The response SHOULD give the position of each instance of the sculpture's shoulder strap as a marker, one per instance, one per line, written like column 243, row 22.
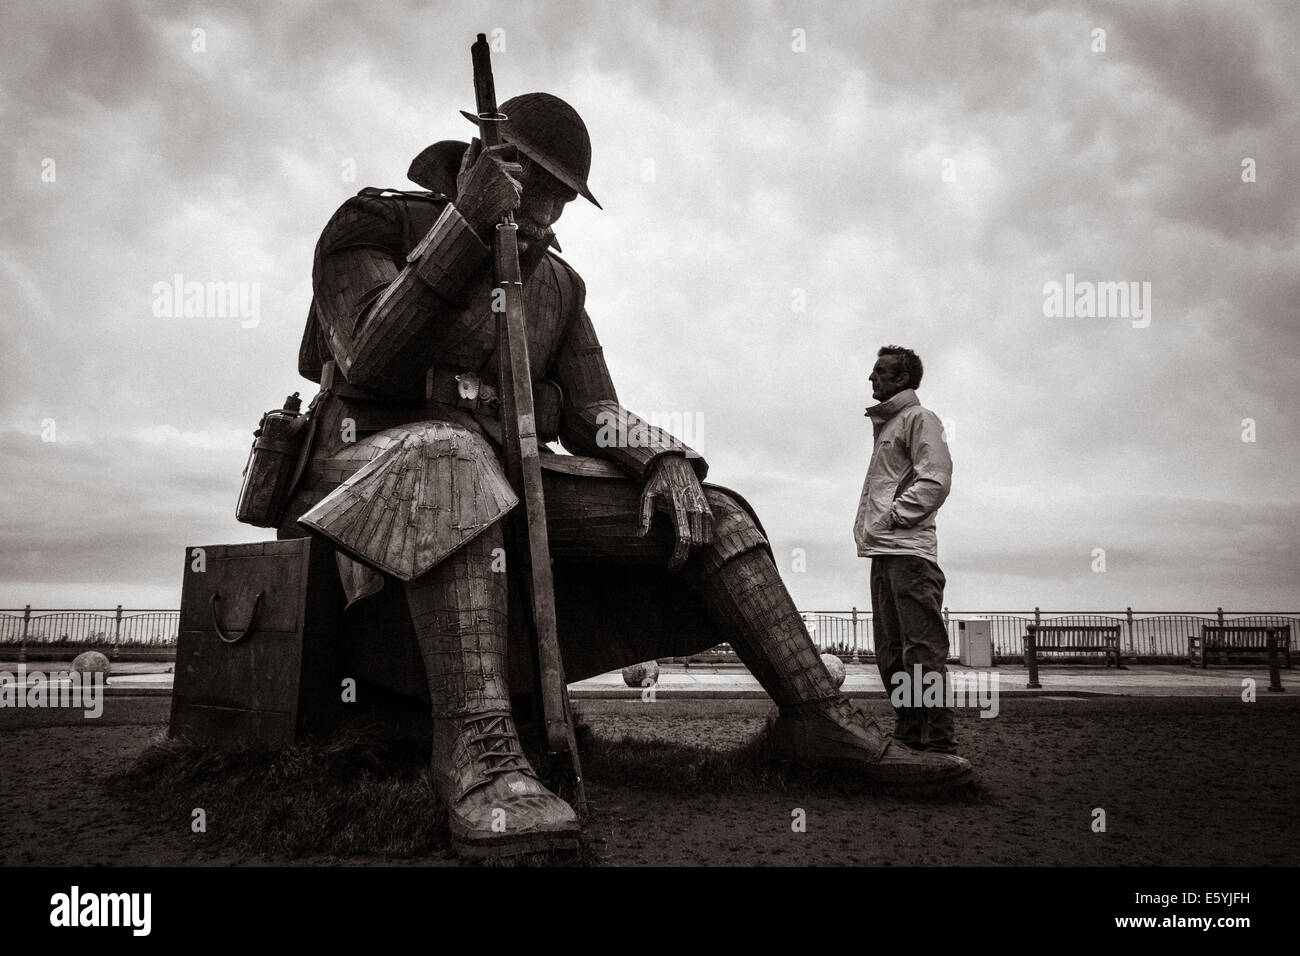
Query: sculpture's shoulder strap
column 400, row 216
column 573, row 291
column 413, row 194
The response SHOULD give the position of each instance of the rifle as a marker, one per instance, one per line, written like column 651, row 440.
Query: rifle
column 519, row 428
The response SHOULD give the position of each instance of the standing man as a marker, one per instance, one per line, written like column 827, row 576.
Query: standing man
column 908, row 479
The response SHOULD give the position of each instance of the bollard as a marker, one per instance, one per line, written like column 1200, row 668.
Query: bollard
column 1031, row 657
column 27, row 620
column 1274, row 672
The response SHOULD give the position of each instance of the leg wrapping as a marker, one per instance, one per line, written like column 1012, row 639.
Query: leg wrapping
column 744, row 595
column 459, row 613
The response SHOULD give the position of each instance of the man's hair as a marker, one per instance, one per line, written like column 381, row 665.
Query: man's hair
column 911, row 361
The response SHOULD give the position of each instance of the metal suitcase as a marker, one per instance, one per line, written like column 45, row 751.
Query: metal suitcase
column 257, row 656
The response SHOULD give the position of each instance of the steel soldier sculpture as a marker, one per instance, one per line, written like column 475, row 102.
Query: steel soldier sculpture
column 404, row 477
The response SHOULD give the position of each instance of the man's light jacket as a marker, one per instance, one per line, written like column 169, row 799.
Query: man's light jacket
column 909, row 477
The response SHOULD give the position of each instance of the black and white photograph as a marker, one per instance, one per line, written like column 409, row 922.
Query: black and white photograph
column 579, row 435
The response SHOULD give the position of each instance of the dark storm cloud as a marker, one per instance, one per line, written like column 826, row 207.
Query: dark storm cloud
column 58, row 55
column 1210, row 58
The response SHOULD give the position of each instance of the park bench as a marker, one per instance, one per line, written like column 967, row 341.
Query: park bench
column 1071, row 638
column 1226, row 639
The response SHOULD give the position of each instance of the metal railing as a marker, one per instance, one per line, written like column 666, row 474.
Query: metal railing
column 1156, row 634
column 36, row 627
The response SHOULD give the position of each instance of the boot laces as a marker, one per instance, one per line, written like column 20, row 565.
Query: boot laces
column 493, row 745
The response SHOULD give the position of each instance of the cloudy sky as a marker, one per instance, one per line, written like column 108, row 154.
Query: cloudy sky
column 786, row 188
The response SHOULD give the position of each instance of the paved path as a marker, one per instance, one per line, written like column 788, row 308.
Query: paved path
column 862, row 681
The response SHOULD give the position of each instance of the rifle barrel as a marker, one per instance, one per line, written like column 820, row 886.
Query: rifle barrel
column 485, row 92
column 514, row 379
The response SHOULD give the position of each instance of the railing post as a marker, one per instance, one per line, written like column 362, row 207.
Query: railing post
column 1132, row 644
column 1031, row 658
column 854, row 630
column 1220, row 617
column 1274, row 675
column 22, row 647
column 117, row 633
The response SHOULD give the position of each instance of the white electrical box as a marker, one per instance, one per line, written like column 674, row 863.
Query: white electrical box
column 975, row 643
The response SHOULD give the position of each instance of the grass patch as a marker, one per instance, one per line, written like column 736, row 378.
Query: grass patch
column 360, row 793
column 355, row 794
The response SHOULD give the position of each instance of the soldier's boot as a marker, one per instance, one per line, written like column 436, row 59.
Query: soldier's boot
column 816, row 725
column 496, row 805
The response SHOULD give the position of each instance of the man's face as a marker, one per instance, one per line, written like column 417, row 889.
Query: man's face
column 542, row 204
column 888, row 377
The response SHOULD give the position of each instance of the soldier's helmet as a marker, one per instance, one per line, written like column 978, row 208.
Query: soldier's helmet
column 551, row 133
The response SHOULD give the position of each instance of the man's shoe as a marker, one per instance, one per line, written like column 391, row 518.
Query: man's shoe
column 937, row 747
column 496, row 806
column 930, row 746
column 833, row 733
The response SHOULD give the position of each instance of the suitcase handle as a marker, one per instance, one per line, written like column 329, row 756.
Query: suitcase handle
column 257, row 601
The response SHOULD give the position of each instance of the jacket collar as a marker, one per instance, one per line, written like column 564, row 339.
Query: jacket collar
column 879, row 414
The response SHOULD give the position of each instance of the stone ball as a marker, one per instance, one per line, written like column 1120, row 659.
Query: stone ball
column 836, row 667
column 92, row 662
column 635, row 676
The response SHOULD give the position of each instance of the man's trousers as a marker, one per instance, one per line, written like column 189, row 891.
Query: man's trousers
column 907, row 617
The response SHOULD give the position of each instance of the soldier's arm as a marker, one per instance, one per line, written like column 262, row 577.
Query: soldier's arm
column 378, row 318
column 374, row 314
column 594, row 423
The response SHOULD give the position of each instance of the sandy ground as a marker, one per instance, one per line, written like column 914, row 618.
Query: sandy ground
column 1208, row 781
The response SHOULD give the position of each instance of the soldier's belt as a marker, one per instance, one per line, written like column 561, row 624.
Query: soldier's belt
column 463, row 389
column 459, row 388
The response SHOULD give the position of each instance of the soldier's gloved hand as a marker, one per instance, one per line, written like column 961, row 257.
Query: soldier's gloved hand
column 488, row 186
column 673, row 488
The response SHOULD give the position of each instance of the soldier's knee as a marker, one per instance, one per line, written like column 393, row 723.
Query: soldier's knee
column 735, row 531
